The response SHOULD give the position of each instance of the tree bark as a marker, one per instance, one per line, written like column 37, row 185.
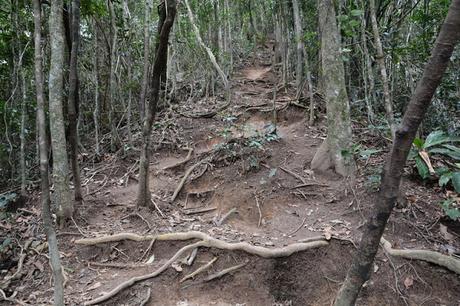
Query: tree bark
column 145, row 75
column 45, row 190
column 360, row 269
column 72, row 105
column 208, row 51
column 335, row 152
column 300, row 44
column 168, row 8
column 58, row 139
column 383, row 71
column 96, row 110
column 115, row 139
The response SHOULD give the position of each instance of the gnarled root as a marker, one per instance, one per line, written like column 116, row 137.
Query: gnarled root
column 439, row 259
column 205, row 241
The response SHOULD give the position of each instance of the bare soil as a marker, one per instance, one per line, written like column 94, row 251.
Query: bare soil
column 249, row 166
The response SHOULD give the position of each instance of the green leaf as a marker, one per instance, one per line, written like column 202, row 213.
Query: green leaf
column 356, row 13
column 456, row 181
column 419, row 143
column 439, row 137
column 445, row 152
column 444, row 179
column 422, row 168
column 451, row 211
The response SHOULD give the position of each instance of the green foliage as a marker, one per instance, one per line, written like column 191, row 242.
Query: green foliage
column 451, row 209
column 97, row 8
column 437, row 143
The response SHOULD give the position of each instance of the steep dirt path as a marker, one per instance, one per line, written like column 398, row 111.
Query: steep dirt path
column 258, row 167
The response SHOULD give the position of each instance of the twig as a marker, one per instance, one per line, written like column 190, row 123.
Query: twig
column 258, row 208
column 294, row 175
column 199, row 270
column 189, row 156
column 310, row 184
column 228, row 214
column 200, row 210
column 299, row 227
column 157, row 208
column 183, row 180
column 147, row 250
column 146, row 299
column 225, row 271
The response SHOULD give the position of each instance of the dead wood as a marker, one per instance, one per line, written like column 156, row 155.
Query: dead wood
column 437, row 258
column 199, row 270
column 189, row 157
column 192, row 211
column 184, row 179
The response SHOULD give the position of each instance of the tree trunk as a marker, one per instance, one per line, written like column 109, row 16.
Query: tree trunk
column 335, row 151
column 360, row 269
column 300, row 44
column 159, row 66
column 45, row 190
column 58, row 140
column 367, row 72
column 22, row 135
column 208, row 51
column 96, row 110
column 115, row 139
column 73, row 99
column 145, row 75
column 383, row 71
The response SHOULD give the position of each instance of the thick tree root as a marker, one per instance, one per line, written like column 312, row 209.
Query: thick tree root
column 205, row 241
column 439, row 259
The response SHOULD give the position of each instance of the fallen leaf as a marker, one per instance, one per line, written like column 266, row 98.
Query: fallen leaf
column 408, row 282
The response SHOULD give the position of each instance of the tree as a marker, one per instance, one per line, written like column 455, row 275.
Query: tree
column 73, row 98
column 167, row 9
column 359, row 271
column 57, row 126
column 335, row 151
column 383, row 71
column 45, row 189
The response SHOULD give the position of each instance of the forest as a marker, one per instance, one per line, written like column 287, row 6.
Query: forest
column 229, row 152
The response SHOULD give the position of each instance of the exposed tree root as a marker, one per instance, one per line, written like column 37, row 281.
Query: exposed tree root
column 189, row 157
column 206, row 241
column 437, row 258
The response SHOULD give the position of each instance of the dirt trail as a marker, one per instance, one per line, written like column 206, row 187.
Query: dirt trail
column 259, row 163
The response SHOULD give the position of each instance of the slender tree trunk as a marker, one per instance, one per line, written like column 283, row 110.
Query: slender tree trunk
column 208, row 51
column 300, row 44
column 229, row 41
column 45, row 190
column 168, row 9
column 359, row 271
column 335, row 152
column 115, row 139
column 22, row 135
column 367, row 73
column 383, row 71
column 96, row 110
column 58, row 140
column 145, row 75
column 73, row 99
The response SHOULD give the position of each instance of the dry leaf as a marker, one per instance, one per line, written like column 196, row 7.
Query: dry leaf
column 408, row 282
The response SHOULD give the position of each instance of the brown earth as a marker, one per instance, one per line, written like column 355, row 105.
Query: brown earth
column 246, row 168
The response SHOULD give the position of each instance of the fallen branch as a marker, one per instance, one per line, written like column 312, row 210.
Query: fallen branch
column 199, row 270
column 225, row 217
column 12, row 298
column 183, row 180
column 189, row 156
column 437, row 258
column 259, row 210
column 118, row 265
column 192, row 211
column 225, row 271
column 300, row 178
